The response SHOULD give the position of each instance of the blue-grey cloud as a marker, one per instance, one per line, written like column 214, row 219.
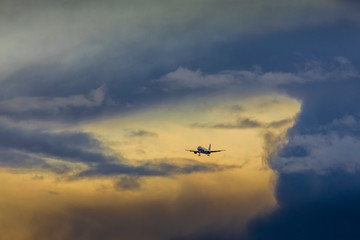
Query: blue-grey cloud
column 327, row 128
column 130, row 87
column 53, row 108
column 158, row 168
column 67, row 146
column 47, row 59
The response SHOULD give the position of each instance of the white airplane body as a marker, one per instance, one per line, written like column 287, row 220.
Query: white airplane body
column 203, row 150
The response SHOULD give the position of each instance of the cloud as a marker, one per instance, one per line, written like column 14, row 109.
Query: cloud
column 318, row 153
column 161, row 167
column 131, row 133
column 326, row 132
column 67, row 146
column 314, row 71
column 93, row 99
column 339, row 69
column 280, row 123
column 322, row 206
column 18, row 159
column 130, row 183
column 185, row 78
column 51, row 107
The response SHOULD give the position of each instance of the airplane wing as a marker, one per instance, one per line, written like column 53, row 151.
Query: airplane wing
column 217, row 151
column 194, row 151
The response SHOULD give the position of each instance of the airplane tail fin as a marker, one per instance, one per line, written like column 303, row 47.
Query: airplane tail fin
column 210, row 147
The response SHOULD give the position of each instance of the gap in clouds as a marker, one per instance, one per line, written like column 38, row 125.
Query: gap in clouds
column 319, row 150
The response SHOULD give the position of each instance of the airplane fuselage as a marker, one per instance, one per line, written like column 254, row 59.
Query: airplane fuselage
column 203, row 150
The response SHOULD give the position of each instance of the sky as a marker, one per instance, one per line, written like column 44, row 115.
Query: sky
column 100, row 100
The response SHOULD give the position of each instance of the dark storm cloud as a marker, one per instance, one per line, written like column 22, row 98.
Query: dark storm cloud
column 312, row 206
column 296, row 151
column 328, row 106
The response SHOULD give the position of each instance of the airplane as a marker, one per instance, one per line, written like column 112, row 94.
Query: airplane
column 203, row 150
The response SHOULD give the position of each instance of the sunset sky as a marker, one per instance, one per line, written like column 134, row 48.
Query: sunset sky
column 100, row 99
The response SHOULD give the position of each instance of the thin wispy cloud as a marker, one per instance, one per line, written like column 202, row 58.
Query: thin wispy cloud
column 244, row 123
